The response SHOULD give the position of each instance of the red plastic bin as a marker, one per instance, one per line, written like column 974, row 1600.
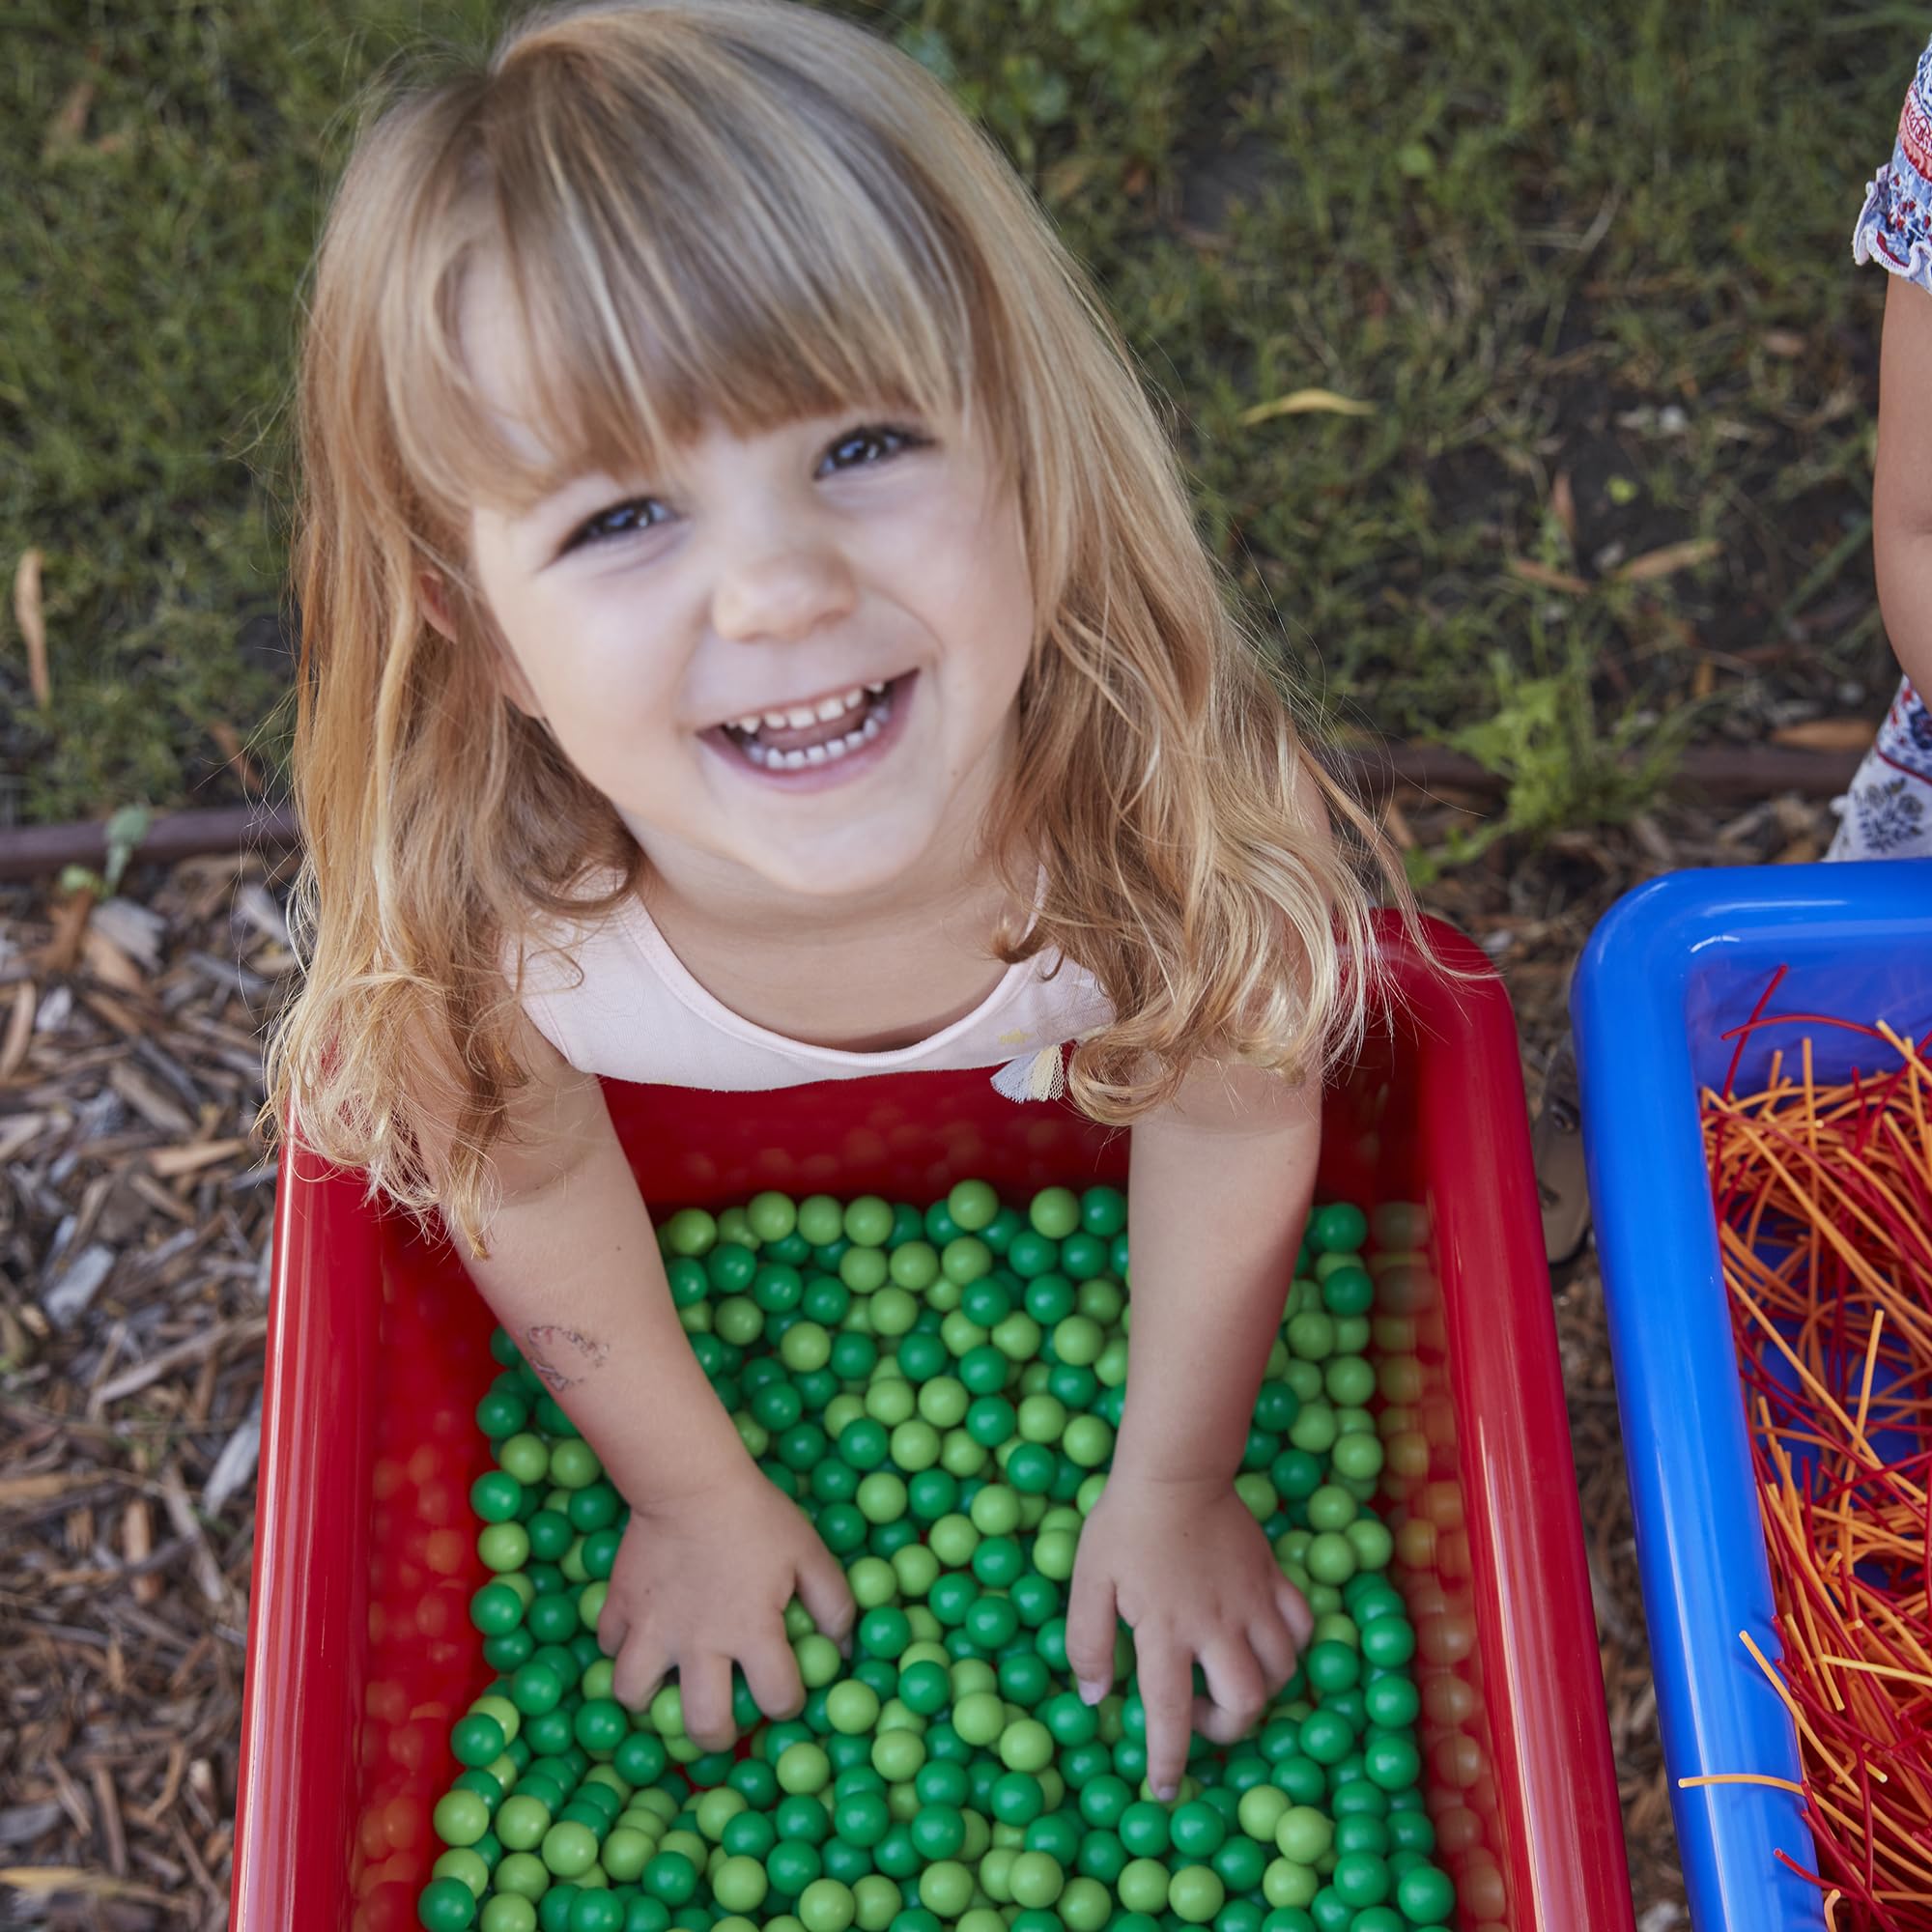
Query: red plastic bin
column 361, row 1654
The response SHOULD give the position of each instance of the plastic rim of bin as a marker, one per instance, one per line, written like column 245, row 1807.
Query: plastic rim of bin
column 1670, row 968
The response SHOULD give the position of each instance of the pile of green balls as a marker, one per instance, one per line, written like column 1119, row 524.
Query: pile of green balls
column 939, row 1392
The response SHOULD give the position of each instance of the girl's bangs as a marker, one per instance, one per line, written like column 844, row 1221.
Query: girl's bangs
column 675, row 260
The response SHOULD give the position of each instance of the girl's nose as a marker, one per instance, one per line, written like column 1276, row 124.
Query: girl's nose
column 780, row 592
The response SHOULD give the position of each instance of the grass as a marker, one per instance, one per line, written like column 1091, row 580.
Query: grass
column 1587, row 268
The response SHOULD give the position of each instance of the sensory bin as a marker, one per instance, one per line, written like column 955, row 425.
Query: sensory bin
column 1662, row 1004
column 940, row 1393
column 366, row 1667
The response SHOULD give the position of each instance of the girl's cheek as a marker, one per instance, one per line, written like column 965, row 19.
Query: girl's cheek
column 613, row 658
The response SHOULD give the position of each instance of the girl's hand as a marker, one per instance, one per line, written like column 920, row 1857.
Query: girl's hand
column 1188, row 1568
column 701, row 1583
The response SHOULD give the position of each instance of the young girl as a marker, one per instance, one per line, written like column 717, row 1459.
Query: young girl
column 754, row 633
column 1887, row 813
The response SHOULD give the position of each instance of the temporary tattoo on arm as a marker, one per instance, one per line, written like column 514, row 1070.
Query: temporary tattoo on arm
column 547, row 1343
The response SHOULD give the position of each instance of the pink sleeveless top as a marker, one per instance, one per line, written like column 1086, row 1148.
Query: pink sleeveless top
column 639, row 1015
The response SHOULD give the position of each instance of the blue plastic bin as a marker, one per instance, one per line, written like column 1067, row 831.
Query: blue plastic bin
column 1674, row 966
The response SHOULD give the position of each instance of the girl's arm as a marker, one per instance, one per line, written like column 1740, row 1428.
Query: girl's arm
column 1221, row 1183
column 713, row 1551
column 1902, row 481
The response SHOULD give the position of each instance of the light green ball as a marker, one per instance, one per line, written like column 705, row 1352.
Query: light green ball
column 826, row 1905
column 803, row 1769
column 980, row 1718
column 851, row 1708
column 1037, row 1879
column 738, row 1884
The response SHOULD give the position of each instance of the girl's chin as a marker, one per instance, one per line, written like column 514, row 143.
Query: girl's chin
column 874, row 858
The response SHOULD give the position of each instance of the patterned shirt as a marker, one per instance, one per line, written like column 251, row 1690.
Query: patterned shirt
column 1887, row 811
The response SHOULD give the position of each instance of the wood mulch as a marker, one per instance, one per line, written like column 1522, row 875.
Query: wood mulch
column 134, row 1229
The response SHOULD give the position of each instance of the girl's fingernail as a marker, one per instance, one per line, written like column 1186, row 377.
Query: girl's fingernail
column 1167, row 1793
column 1092, row 1689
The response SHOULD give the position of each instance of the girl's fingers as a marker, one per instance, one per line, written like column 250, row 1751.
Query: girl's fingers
column 1275, row 1649
column 1216, row 1725
column 823, row 1590
column 771, row 1675
column 613, row 1626
column 1237, row 1691
column 705, row 1682
column 1091, row 1617
column 1295, row 1607
column 640, row 1670
column 1166, row 1672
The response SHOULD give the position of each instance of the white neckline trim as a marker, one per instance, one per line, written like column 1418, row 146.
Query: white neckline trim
column 637, row 925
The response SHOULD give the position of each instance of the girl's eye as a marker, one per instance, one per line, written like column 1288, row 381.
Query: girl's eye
column 869, row 443
column 619, row 520
column 857, row 448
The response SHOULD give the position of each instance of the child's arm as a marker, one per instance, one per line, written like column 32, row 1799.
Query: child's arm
column 1221, row 1183
column 1902, row 481
column 713, row 1551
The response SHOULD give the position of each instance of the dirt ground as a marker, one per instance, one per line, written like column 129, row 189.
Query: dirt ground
column 134, row 1229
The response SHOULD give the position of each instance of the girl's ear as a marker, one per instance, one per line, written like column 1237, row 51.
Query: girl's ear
column 435, row 606
column 510, row 678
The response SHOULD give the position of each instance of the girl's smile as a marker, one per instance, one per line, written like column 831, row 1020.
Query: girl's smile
column 815, row 746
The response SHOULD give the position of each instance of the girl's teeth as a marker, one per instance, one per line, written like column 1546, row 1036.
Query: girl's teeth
column 802, row 715
column 817, row 755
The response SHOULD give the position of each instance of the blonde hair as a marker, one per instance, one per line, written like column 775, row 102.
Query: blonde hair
column 822, row 224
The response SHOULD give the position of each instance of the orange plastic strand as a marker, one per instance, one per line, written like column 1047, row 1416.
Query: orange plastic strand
column 1798, row 1717
column 1878, row 1669
column 1864, row 1386
column 1739, row 1778
column 1811, row 1381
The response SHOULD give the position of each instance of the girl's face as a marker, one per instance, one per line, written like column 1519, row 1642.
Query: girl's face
column 793, row 658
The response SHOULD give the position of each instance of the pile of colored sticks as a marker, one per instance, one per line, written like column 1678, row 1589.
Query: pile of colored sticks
column 1824, row 1200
